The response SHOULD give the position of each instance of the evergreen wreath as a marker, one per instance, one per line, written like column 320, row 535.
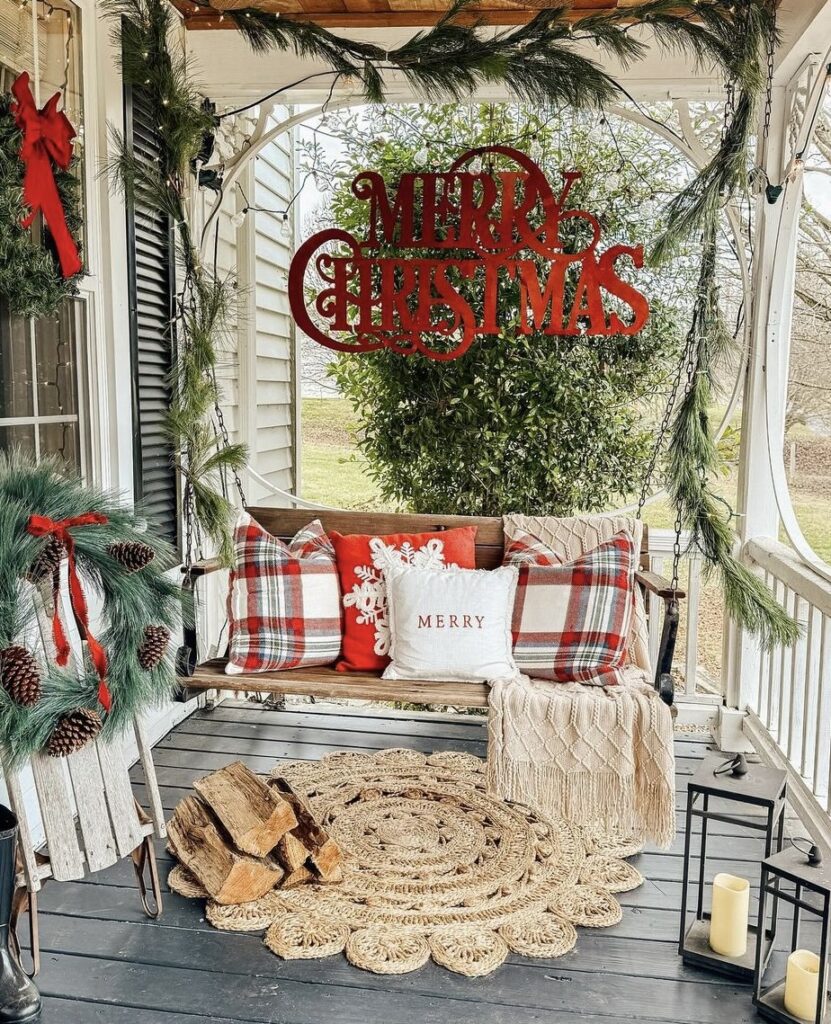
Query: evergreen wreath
column 30, row 278
column 537, row 62
column 47, row 708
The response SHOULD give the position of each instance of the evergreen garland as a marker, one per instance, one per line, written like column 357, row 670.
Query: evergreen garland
column 539, row 63
column 206, row 305
column 132, row 601
column 31, row 282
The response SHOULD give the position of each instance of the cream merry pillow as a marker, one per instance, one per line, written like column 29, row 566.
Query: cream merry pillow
column 451, row 624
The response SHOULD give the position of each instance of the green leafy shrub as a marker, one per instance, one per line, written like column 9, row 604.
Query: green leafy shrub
column 534, row 423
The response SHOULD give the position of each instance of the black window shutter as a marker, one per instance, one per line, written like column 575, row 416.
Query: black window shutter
column 151, row 268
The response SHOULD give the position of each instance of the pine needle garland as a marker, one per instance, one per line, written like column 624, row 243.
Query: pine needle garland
column 693, row 461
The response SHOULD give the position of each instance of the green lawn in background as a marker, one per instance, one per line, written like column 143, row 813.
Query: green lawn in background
column 332, row 471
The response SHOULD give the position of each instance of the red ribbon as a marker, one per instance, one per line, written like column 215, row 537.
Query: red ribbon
column 47, row 139
column 41, row 526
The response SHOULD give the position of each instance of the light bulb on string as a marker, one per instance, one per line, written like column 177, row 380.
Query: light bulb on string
column 238, row 219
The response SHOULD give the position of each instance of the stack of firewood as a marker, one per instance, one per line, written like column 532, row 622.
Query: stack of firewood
column 241, row 835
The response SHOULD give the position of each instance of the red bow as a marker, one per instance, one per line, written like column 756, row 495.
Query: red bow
column 41, row 526
column 47, row 139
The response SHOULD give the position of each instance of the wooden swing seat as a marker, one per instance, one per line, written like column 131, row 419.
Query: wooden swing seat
column 328, row 683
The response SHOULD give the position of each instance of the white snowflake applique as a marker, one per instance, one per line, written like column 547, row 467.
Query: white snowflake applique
column 369, row 596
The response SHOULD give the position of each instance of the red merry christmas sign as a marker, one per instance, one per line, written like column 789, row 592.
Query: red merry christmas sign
column 481, row 229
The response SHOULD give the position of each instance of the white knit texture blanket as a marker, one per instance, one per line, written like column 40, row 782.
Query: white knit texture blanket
column 591, row 754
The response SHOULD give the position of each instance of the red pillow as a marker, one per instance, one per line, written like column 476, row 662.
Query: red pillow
column 362, row 559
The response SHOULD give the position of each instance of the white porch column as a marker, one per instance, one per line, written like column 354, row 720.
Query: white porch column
column 756, row 503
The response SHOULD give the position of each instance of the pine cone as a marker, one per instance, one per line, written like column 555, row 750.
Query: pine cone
column 20, row 675
column 73, row 732
column 132, row 554
column 154, row 647
column 47, row 562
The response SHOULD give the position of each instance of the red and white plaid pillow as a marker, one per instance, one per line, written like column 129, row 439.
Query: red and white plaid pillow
column 283, row 600
column 571, row 621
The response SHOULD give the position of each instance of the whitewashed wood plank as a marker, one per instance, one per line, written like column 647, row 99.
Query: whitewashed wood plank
column 119, row 792
column 57, row 810
column 93, row 814
column 17, row 800
column 155, row 809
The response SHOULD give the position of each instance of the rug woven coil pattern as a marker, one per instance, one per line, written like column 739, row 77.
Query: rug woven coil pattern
column 434, row 867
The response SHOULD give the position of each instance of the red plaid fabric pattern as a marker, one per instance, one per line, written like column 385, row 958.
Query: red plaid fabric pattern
column 283, row 600
column 571, row 621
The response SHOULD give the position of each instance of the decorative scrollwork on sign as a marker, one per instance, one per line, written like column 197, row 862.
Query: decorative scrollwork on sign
column 481, row 228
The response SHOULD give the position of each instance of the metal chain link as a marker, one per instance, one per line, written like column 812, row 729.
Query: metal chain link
column 690, row 366
column 226, row 440
column 187, row 508
column 771, row 51
column 663, row 429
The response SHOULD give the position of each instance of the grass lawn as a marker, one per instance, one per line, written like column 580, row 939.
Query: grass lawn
column 334, row 473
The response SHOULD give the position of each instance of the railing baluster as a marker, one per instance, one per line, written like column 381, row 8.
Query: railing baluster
column 768, row 714
column 785, row 662
column 693, row 601
column 656, row 563
column 809, row 692
column 822, row 742
column 796, row 704
column 764, row 669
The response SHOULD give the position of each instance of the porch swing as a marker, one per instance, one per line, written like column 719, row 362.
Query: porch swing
column 656, row 594
column 695, row 208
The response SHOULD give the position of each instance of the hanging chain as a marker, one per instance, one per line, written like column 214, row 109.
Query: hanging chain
column 729, row 107
column 690, row 366
column 187, row 508
column 662, row 433
column 771, row 51
column 226, row 441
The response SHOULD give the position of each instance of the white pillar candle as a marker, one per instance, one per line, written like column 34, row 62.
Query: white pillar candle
column 802, row 984
column 728, row 920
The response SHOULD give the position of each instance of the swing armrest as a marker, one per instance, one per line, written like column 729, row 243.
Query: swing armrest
column 657, row 584
column 203, row 568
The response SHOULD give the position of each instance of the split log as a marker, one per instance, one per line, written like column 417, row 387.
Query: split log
column 300, row 876
column 323, row 852
column 228, row 877
column 291, row 853
column 255, row 816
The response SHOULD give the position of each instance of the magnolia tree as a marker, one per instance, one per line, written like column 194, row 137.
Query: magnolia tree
column 533, row 422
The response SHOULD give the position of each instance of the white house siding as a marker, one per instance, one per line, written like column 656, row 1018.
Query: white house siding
column 275, row 350
column 257, row 370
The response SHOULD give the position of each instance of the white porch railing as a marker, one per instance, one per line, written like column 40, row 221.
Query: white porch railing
column 789, row 705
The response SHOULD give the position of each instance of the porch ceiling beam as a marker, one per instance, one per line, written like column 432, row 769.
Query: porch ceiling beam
column 334, row 14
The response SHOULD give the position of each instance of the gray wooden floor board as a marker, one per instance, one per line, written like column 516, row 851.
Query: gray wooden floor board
column 105, row 963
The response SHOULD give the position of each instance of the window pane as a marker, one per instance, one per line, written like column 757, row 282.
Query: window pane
column 23, row 437
column 61, row 439
column 56, row 368
column 15, row 366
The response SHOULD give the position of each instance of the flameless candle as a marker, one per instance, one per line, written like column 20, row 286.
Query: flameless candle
column 728, row 920
column 802, row 984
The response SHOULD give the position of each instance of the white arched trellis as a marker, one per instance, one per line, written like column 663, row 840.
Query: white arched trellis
column 687, row 144
column 780, row 309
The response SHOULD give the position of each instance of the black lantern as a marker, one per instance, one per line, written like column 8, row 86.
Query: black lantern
column 800, row 877
column 729, row 779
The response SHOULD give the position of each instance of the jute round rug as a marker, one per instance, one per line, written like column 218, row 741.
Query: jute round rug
column 434, row 867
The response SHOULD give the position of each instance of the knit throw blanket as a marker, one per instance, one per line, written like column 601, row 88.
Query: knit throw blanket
column 591, row 754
